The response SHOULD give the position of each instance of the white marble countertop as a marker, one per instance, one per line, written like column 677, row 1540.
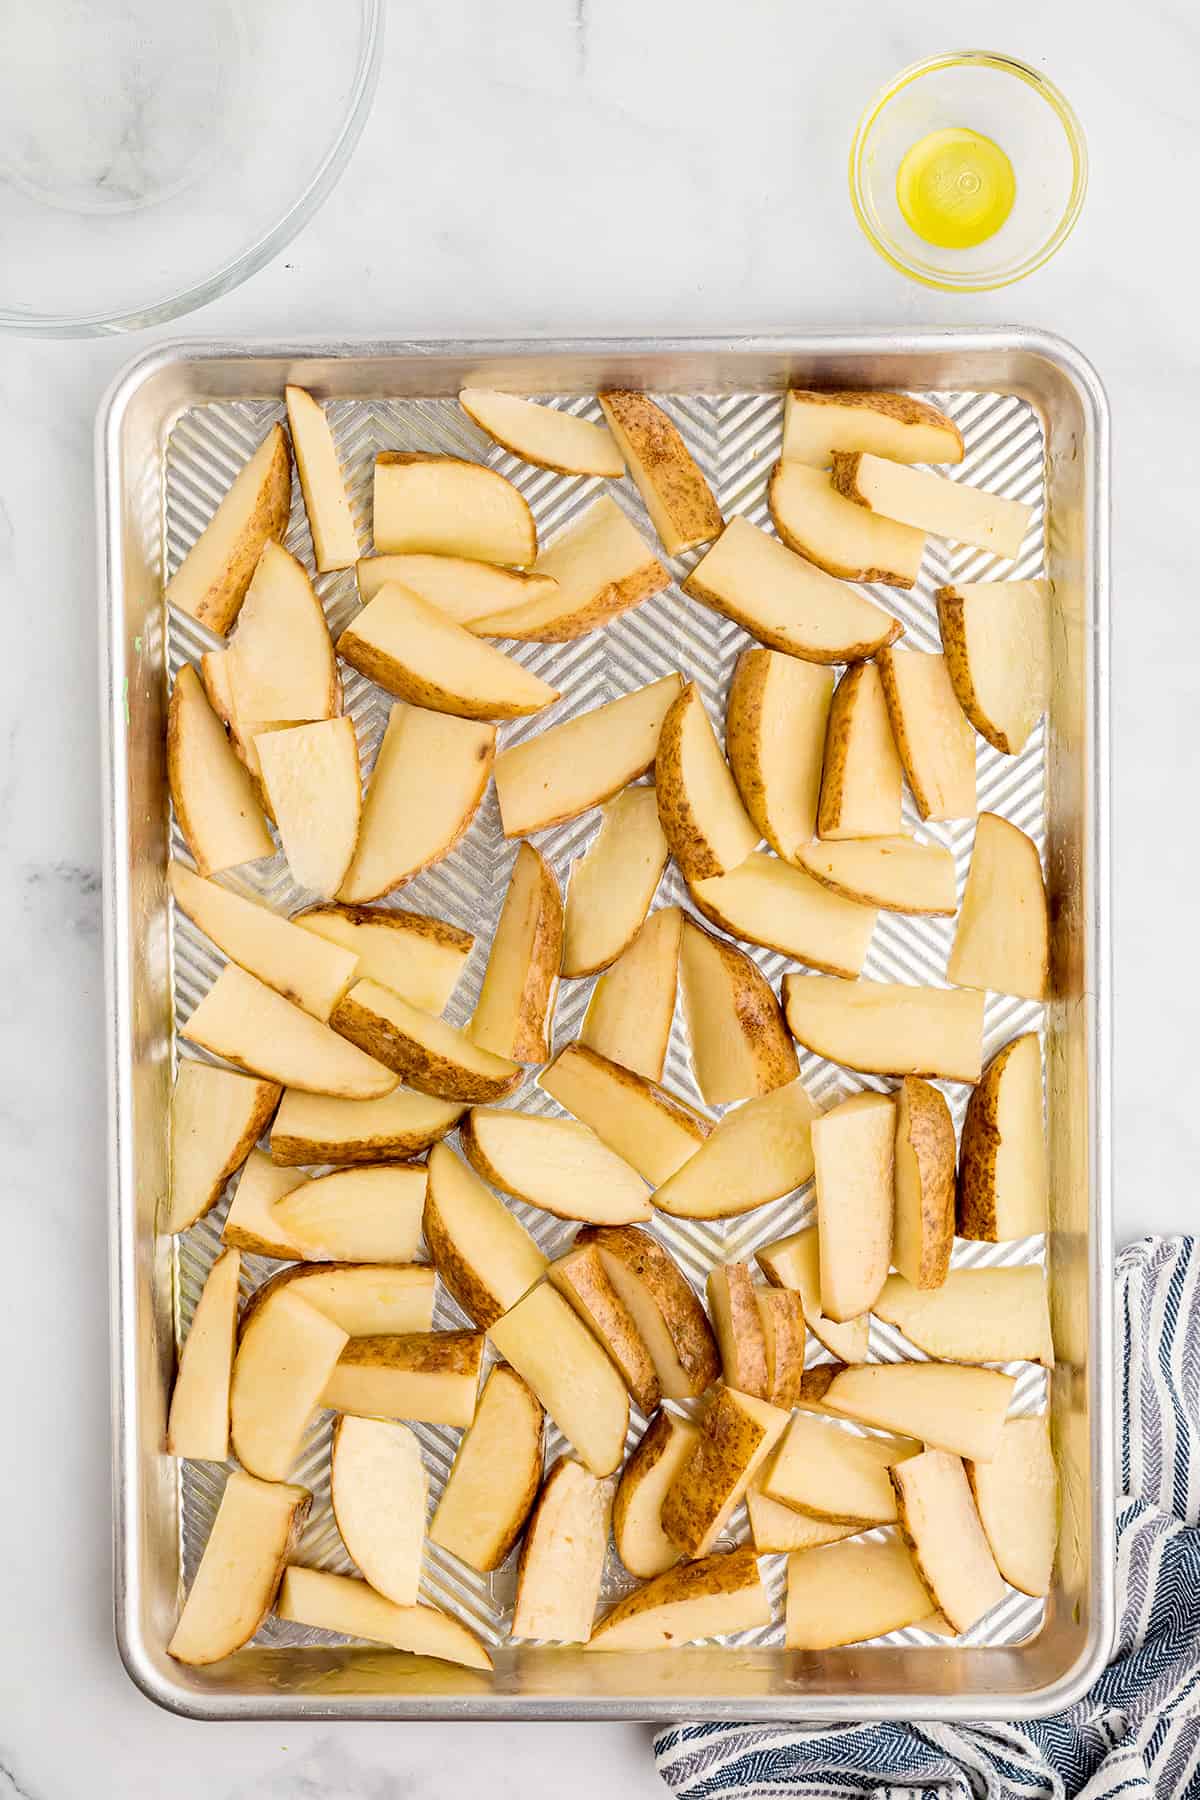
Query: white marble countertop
column 692, row 158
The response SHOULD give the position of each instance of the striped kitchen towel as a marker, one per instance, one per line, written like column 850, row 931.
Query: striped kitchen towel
column 1137, row 1733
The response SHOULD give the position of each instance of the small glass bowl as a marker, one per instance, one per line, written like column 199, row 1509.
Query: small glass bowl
column 1005, row 100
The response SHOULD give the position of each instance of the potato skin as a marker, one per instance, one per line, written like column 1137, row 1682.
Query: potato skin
column 471, row 1292
column 743, row 726
column 952, row 625
column 687, row 842
column 931, row 1135
column 677, row 1300
column 420, row 1352
column 613, row 1323
column 420, row 690
column 530, row 1039
column 779, row 640
column 436, row 931
column 820, row 558
column 670, row 470
column 419, row 1067
column 726, row 1572
column 219, row 606
column 647, row 1456
column 837, row 741
column 728, row 1439
column 760, row 1018
column 976, row 1207
column 845, row 476
column 502, row 1372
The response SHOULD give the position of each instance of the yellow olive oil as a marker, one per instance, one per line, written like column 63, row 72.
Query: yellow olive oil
column 956, row 188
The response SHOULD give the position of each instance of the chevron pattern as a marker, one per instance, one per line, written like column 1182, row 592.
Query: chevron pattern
column 735, row 439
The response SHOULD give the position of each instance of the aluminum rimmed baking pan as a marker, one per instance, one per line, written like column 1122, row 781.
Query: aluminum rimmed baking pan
column 171, row 433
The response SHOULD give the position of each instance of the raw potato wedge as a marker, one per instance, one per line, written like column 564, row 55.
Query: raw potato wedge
column 946, row 1406
column 795, row 1262
column 677, row 497
column 553, row 1350
column 310, row 973
column 419, row 958
column 1016, row 1495
column 736, row 1435
column 975, row 1316
column 445, row 506
column 769, row 902
column 786, row 1337
column 1003, row 1177
column 774, row 737
column 280, row 662
column 845, row 540
column 941, row 1528
column 198, row 1422
column 556, row 1164
column 211, row 791
column 641, row 1542
column 559, row 773
column 651, row 1129
column 480, row 1249
column 516, row 1002
column 562, row 1558
column 740, row 1044
column 327, row 1602
column 889, row 872
column 756, row 1153
column 784, row 601
column 250, row 1224
column 365, row 1299
column 251, row 1025
column 407, row 646
column 932, row 733
column 495, row 1477
column 777, row 1530
column 996, row 641
column 429, row 1376
column 885, row 1028
column 256, row 1530
column 699, row 806
column 861, row 778
column 286, row 1354
column 629, row 1015
column 948, row 509
column 710, row 1598
column 612, row 886
column 216, row 675
column 210, row 583
column 891, row 425
column 408, row 821
column 819, row 1468
column 316, row 1128
column 1003, row 936
column 217, row 1117
column 378, row 1489
column 335, row 540
column 581, row 1279
column 356, row 1215
column 460, row 587
column 664, row 1306
column 543, row 435
column 853, row 1154
column 740, row 1331
column 311, row 776
column 923, row 1225
column 599, row 567
column 845, row 1593
column 431, row 1056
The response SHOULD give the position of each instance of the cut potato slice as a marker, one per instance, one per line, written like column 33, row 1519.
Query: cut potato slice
column 250, row 1224
column 941, row 1527
column 948, row 509
column 581, row 1279
column 889, row 872
column 366, row 1299
column 556, row 1164
column 1003, row 1176
column 736, row 1435
column 680, row 502
column 795, row 1262
column 571, row 1375
column 211, row 792
column 256, row 1530
column 315, row 1128
column 777, row 1530
column 516, row 1002
column 641, row 1542
column 559, row 773
column 819, row 1468
column 784, row 601
column 445, row 506
column 774, row 738
column 1003, row 936
column 853, row 1156
column 251, row 1025
column 600, row 568
column 944, row 1405
column 407, row 646
column 758, row 1152
column 846, row 540
column 328, row 1602
column 629, row 1015
column 612, row 886
column 280, row 663
column 463, row 589
column 335, row 540
column 892, row 425
column 480, row 1249
column 419, row 958
column 741, row 1334
column 884, row 1028
column 1016, row 1495
column 312, row 780
column 664, row 1306
column 651, row 1129
column 216, row 675
column 495, row 1477
column 543, row 435
column 710, row 1598
column 739, row 1042
column 996, row 641
column 408, row 821
column 976, row 1316
column 217, row 1117
column 771, row 903
column 845, row 1593
column 699, row 806
column 356, row 1215
column 210, row 583
column 429, row 1376
column 286, row 1354
column 932, row 733
column 198, row 1422
column 562, row 1558
column 923, row 1235
column 378, row 1489
column 861, row 779
column 431, row 1056
column 782, row 1314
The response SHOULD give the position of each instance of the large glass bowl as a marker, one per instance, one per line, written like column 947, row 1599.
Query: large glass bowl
column 154, row 153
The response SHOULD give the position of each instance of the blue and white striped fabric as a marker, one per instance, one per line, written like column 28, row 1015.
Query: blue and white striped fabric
column 1137, row 1733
